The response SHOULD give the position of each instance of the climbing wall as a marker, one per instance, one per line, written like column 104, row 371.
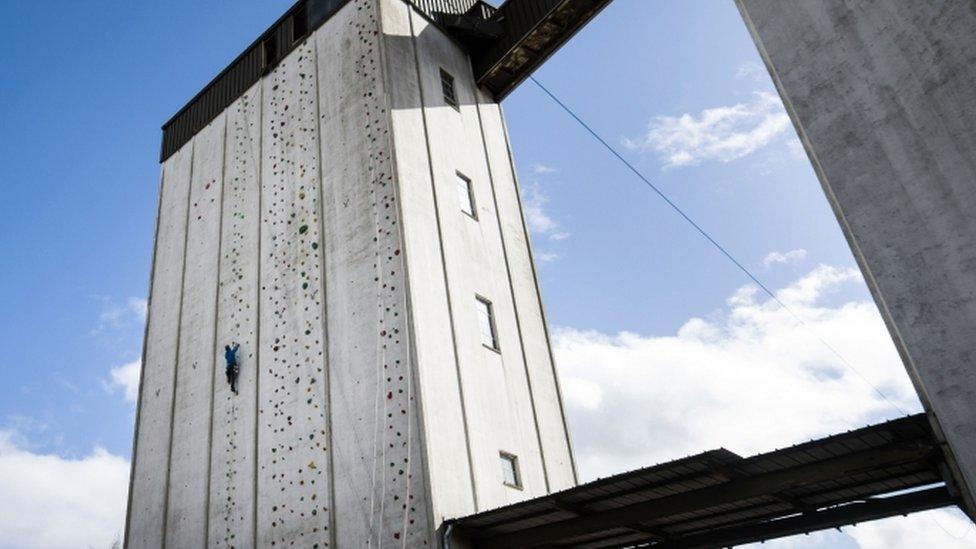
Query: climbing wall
column 231, row 521
column 293, row 476
column 368, row 410
column 147, row 509
column 190, row 452
column 447, row 458
column 376, row 440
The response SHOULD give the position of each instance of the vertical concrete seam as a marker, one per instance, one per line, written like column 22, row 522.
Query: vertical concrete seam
column 413, row 364
column 323, row 289
column 216, row 313
column 179, row 325
column 538, row 294
column 511, row 289
column 440, row 243
column 257, row 314
column 142, row 366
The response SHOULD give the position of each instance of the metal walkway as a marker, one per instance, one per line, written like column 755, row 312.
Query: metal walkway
column 718, row 498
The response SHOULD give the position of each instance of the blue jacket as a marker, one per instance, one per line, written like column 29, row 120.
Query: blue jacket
column 230, row 353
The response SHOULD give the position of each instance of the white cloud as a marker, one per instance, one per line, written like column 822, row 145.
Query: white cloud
column 721, row 133
column 138, row 306
column 52, row 502
column 749, row 379
column 116, row 315
column 546, row 257
column 791, row 256
column 943, row 528
column 796, row 148
column 126, row 378
column 746, row 378
column 539, row 169
column 751, row 70
column 537, row 216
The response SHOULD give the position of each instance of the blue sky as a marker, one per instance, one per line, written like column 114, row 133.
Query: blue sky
column 636, row 298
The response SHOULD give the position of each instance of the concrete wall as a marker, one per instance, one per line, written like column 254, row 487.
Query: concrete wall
column 190, row 450
column 294, row 465
column 145, row 523
column 316, row 222
column 883, row 96
column 234, row 434
column 382, row 498
column 507, row 401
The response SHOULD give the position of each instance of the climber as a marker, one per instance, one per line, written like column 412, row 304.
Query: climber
column 233, row 369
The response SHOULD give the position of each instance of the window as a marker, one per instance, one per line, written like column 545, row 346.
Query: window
column 510, row 470
column 466, row 195
column 447, row 87
column 486, row 321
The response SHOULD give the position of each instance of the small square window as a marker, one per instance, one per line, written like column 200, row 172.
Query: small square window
column 447, row 87
column 510, row 470
column 466, row 195
column 486, row 321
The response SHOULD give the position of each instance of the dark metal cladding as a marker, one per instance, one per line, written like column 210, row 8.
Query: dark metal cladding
column 718, row 499
column 299, row 22
column 533, row 30
column 506, row 44
column 435, row 7
column 260, row 57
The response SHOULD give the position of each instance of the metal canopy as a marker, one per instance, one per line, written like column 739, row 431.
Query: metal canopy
column 718, row 498
column 531, row 31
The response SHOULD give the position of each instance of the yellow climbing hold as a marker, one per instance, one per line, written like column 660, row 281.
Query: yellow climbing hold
column 311, row 464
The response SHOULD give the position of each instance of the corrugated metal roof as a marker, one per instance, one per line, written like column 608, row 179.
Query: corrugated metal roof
column 718, row 498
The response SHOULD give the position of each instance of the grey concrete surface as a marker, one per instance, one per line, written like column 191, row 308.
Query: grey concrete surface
column 294, row 496
column 150, row 462
column 317, row 223
column 232, row 455
column 883, row 95
column 189, row 460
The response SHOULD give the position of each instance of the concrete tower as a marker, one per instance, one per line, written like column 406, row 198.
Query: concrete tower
column 349, row 214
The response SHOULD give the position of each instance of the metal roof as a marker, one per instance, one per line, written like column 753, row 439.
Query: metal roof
column 506, row 44
column 718, row 498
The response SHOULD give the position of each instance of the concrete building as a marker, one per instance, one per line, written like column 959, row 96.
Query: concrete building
column 342, row 202
column 883, row 97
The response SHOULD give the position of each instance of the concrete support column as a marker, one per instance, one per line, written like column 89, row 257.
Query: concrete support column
column 883, row 96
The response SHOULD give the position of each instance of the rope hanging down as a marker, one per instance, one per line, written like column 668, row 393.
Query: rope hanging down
column 728, row 255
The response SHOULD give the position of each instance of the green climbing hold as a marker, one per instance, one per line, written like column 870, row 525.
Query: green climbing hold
column 315, row 245
column 303, row 229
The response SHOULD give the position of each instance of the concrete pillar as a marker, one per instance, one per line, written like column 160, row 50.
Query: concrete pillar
column 883, row 96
